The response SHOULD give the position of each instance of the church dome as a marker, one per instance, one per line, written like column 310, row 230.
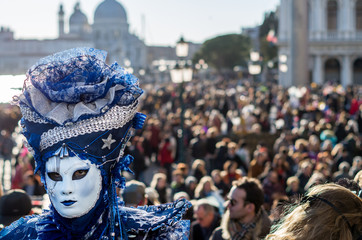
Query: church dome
column 78, row 18
column 110, row 10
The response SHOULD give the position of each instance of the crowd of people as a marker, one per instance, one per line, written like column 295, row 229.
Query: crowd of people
column 290, row 140
column 238, row 152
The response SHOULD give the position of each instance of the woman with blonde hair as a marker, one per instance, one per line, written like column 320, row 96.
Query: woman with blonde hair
column 207, row 189
column 328, row 211
column 198, row 169
column 159, row 183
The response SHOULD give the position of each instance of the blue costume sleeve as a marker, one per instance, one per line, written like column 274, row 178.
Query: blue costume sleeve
column 181, row 231
column 161, row 222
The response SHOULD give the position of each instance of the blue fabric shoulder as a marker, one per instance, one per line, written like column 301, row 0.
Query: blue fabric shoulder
column 22, row 229
column 160, row 222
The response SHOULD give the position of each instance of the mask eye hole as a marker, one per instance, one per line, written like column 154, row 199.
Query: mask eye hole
column 79, row 174
column 55, row 176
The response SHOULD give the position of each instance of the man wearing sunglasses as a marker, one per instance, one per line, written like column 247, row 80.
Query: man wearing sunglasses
column 244, row 218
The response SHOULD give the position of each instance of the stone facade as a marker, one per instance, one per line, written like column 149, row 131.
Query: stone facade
column 334, row 42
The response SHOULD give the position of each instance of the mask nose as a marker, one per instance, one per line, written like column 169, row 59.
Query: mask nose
column 68, row 187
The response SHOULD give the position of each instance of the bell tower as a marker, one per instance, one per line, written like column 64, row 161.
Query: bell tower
column 61, row 21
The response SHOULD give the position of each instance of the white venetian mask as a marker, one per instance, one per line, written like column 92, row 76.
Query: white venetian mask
column 73, row 185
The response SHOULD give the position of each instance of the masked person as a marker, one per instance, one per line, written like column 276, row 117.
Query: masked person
column 78, row 114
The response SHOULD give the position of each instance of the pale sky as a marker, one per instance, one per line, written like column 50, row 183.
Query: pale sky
column 165, row 20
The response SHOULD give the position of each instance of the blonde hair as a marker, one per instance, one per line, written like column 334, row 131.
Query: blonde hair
column 301, row 143
column 156, row 178
column 327, row 216
column 358, row 178
column 201, row 185
column 292, row 179
column 197, row 163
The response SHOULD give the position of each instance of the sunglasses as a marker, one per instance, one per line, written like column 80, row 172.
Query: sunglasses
column 232, row 202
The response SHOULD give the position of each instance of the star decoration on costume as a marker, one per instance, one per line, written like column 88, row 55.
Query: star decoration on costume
column 133, row 217
column 141, row 222
column 108, row 142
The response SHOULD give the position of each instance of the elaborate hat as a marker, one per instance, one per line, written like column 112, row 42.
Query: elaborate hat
column 73, row 103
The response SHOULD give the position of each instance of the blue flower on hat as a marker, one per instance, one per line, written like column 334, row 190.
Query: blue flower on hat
column 77, row 84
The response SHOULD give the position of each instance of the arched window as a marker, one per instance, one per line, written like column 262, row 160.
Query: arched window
column 332, row 15
column 359, row 15
column 332, row 71
column 357, row 72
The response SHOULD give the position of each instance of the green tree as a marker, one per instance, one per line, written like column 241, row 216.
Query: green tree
column 268, row 49
column 225, row 52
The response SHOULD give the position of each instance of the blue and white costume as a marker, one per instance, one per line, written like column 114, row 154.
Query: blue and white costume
column 78, row 114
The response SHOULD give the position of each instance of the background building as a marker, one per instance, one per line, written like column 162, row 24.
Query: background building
column 334, row 41
column 110, row 32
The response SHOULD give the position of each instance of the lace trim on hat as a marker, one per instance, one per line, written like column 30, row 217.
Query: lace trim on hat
column 30, row 149
column 115, row 118
column 30, row 115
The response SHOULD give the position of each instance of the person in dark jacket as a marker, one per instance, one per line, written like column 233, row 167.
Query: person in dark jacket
column 207, row 219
